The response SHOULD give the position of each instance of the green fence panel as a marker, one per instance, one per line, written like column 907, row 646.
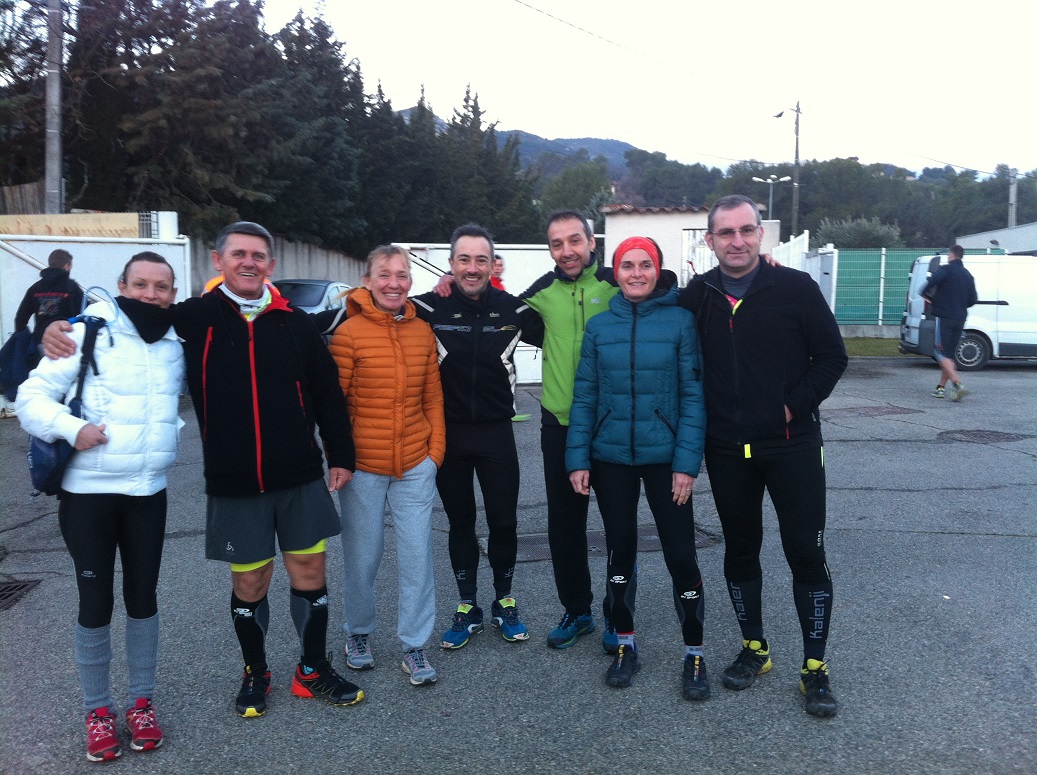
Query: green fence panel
column 862, row 277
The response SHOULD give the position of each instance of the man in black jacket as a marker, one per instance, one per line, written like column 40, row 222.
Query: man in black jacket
column 54, row 296
column 477, row 329
column 951, row 291
column 772, row 353
column 262, row 382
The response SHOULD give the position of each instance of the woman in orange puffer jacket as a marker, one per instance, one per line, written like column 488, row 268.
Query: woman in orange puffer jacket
column 389, row 371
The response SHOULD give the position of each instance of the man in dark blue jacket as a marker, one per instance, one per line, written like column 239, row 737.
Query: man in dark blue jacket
column 951, row 291
column 772, row 353
column 477, row 329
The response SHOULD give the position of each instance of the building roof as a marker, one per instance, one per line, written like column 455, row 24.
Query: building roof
column 638, row 210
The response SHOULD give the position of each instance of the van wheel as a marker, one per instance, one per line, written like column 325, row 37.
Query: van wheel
column 973, row 352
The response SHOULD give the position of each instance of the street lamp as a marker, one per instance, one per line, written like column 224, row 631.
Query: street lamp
column 770, row 181
column 795, row 173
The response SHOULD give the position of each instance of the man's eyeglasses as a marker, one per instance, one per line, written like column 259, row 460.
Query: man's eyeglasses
column 745, row 231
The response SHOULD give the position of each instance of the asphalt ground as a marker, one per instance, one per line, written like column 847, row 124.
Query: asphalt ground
column 932, row 543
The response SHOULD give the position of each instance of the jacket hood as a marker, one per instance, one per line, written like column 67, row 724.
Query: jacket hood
column 53, row 273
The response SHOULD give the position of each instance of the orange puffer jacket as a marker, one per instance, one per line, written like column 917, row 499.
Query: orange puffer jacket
column 389, row 371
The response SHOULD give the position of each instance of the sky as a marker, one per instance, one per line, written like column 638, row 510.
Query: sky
column 913, row 83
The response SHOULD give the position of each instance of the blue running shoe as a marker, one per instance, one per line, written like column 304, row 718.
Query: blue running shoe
column 609, row 638
column 569, row 629
column 467, row 622
column 506, row 617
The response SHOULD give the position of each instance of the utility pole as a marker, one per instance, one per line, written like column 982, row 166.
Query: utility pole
column 795, row 180
column 52, row 156
column 1013, row 195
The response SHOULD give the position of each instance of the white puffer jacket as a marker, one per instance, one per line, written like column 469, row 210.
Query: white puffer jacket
column 135, row 396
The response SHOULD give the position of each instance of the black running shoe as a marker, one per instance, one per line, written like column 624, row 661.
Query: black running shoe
column 251, row 700
column 818, row 699
column 754, row 660
column 695, row 683
column 622, row 668
column 324, row 683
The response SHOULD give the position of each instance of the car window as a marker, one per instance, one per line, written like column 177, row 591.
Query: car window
column 302, row 294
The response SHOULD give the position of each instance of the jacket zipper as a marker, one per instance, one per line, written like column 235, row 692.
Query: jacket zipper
column 633, row 383
column 255, row 404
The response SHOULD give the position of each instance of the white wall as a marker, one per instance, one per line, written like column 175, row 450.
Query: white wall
column 679, row 234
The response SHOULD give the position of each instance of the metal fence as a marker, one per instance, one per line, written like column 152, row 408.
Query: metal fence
column 871, row 284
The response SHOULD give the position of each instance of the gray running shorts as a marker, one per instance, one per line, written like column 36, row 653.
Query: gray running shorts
column 241, row 530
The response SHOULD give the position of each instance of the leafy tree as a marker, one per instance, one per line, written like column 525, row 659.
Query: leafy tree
column 857, row 233
column 385, row 169
column 584, row 187
column 113, row 43
column 423, row 215
column 23, row 60
column 659, row 181
column 313, row 170
column 205, row 141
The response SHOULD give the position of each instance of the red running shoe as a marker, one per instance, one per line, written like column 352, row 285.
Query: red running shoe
column 143, row 726
column 102, row 744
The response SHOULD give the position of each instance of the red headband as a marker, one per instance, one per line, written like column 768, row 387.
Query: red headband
column 636, row 243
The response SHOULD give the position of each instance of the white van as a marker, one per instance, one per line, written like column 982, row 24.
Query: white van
column 1002, row 324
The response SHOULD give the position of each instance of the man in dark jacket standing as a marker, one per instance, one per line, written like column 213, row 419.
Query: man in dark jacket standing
column 262, row 383
column 772, row 353
column 951, row 291
column 53, row 297
column 477, row 329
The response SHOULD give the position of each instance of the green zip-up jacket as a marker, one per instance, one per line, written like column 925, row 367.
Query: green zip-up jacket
column 566, row 306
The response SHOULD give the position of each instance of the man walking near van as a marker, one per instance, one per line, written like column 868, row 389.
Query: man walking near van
column 951, row 291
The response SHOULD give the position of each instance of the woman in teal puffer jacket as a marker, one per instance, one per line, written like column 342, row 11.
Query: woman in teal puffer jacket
column 638, row 416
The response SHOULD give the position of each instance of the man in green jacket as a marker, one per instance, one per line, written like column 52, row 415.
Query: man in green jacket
column 566, row 298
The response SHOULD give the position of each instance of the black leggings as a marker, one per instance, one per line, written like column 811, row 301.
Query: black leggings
column 796, row 483
column 618, row 489
column 486, row 450
column 93, row 527
column 566, row 525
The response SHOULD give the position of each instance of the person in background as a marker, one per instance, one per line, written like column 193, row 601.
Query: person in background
column 113, row 494
column 638, row 416
column 388, row 371
column 772, row 352
column 478, row 328
column 497, row 276
column 951, row 291
column 55, row 296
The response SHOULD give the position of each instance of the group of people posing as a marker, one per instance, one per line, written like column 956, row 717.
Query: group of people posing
column 642, row 381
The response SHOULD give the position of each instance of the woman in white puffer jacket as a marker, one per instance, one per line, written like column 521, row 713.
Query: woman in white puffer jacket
column 113, row 494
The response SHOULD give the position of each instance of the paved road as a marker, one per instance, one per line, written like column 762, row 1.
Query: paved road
column 932, row 541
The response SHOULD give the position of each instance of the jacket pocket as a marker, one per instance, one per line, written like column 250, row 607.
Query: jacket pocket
column 599, row 423
column 666, row 422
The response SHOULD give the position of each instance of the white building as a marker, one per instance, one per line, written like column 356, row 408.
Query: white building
column 680, row 232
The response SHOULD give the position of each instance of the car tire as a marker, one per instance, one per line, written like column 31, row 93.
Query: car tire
column 973, row 352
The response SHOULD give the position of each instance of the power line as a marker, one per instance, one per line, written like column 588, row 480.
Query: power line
column 585, row 31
